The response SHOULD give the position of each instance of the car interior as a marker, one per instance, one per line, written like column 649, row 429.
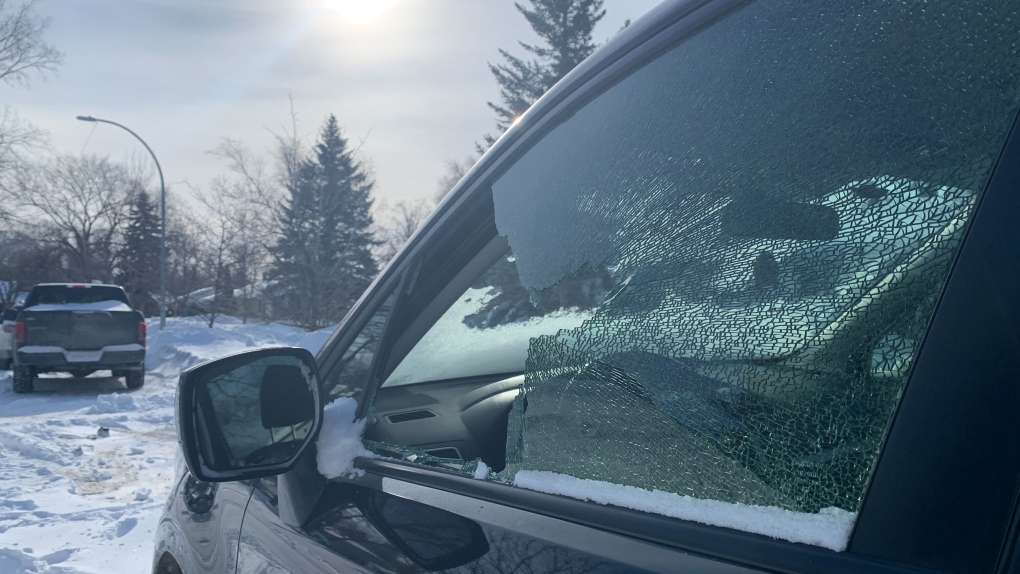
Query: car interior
column 453, row 419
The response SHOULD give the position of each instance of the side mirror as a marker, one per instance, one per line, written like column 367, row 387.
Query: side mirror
column 249, row 415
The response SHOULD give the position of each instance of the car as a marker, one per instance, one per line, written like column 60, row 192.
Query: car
column 78, row 328
column 7, row 320
column 741, row 293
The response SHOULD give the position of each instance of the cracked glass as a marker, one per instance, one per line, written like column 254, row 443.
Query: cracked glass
column 778, row 200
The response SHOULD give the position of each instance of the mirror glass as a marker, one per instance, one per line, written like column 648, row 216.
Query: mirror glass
column 255, row 413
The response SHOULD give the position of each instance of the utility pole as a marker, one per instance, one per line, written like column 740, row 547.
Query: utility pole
column 162, row 209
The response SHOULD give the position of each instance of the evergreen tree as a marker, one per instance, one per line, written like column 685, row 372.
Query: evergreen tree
column 138, row 258
column 566, row 26
column 324, row 255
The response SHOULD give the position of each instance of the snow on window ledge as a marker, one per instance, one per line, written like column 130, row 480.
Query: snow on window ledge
column 830, row 528
column 340, row 440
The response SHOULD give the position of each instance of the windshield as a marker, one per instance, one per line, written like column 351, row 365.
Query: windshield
column 64, row 294
column 488, row 328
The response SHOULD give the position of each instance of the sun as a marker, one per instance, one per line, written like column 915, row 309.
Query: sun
column 360, row 11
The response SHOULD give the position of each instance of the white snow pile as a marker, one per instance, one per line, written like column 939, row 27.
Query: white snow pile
column 481, row 471
column 95, row 306
column 86, row 465
column 340, row 440
column 188, row 341
column 830, row 528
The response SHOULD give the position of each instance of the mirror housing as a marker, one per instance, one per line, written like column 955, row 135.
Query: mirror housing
column 248, row 415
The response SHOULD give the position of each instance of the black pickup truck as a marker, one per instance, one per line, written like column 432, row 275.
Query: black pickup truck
column 79, row 329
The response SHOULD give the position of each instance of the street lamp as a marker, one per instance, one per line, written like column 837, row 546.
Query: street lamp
column 162, row 208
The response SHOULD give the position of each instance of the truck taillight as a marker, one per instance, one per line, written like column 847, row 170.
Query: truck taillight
column 19, row 332
column 142, row 328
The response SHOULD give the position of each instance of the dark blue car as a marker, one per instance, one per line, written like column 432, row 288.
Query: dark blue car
column 740, row 294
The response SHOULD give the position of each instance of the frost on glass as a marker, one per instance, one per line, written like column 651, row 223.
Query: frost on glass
column 779, row 199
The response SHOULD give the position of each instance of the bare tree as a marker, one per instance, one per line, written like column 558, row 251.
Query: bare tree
column 185, row 271
column 22, row 48
column 234, row 249
column 398, row 223
column 27, row 257
column 85, row 198
column 289, row 152
column 455, row 171
column 250, row 196
column 246, row 202
column 23, row 52
column 17, row 138
column 218, row 235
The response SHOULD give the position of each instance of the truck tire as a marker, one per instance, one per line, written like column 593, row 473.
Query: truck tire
column 23, row 377
column 135, row 379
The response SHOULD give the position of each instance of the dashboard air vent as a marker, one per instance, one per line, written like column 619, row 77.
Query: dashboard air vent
column 410, row 416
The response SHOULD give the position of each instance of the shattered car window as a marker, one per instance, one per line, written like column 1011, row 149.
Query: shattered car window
column 779, row 199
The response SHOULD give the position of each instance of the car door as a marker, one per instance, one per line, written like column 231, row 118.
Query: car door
column 370, row 524
column 682, row 317
column 206, row 525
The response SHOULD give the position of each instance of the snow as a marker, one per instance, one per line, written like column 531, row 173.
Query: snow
column 829, row 528
column 481, row 471
column 340, row 440
column 40, row 349
column 96, row 306
column 119, row 348
column 86, row 465
column 112, row 348
column 188, row 341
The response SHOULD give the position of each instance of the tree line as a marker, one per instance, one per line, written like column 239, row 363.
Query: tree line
column 290, row 235
column 290, row 238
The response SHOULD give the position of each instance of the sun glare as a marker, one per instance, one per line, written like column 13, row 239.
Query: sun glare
column 360, row 11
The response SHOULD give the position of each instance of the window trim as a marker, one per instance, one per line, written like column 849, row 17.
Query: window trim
column 741, row 548
column 331, row 354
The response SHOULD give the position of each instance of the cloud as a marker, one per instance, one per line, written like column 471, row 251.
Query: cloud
column 184, row 73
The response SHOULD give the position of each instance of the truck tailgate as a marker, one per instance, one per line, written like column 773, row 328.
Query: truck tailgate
column 80, row 330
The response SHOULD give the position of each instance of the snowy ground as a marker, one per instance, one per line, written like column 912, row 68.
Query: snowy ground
column 76, row 498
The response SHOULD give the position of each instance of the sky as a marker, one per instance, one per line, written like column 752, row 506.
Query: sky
column 409, row 87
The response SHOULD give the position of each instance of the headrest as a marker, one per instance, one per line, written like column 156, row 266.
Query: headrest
column 284, row 397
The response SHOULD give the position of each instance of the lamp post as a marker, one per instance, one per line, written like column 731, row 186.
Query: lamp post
column 162, row 208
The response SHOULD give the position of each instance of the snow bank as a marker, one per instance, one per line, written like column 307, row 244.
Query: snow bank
column 830, row 528
column 340, row 440
column 86, row 464
column 97, row 306
column 188, row 341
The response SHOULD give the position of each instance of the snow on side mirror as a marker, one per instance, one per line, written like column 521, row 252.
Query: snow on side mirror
column 248, row 415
